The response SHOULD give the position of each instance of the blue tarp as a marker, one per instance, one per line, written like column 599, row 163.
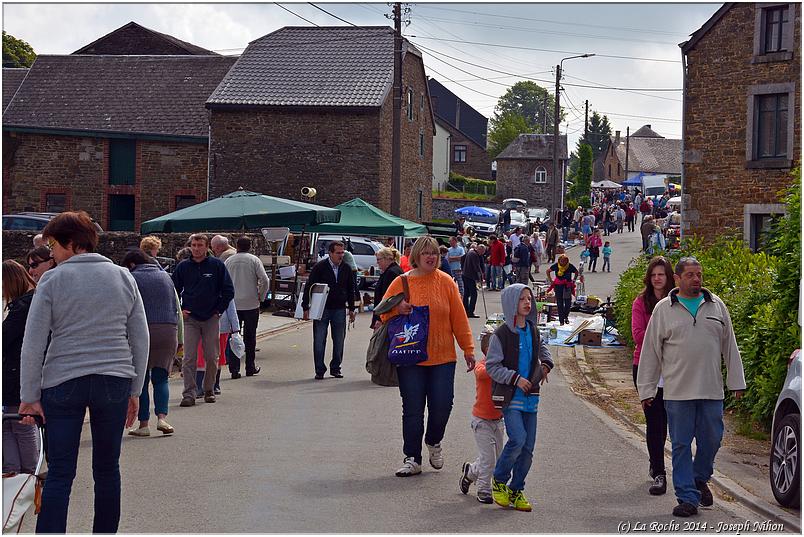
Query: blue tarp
column 634, row 181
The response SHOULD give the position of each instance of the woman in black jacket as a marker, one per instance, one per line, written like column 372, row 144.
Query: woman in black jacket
column 388, row 260
column 20, row 442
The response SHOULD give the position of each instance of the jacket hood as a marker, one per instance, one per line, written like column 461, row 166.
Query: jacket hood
column 87, row 258
column 510, row 303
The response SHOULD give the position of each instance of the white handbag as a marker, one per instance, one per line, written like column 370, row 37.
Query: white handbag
column 237, row 345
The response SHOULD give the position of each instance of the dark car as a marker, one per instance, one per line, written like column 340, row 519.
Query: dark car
column 29, row 221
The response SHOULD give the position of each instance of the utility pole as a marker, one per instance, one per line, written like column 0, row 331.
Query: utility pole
column 627, row 135
column 556, row 112
column 544, row 113
column 586, row 123
column 396, row 125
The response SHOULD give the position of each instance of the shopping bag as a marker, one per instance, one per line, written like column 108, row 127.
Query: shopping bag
column 407, row 334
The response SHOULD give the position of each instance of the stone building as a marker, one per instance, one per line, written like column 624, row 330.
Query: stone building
column 312, row 107
column 123, row 137
column 643, row 152
column 525, row 168
column 742, row 118
column 466, row 132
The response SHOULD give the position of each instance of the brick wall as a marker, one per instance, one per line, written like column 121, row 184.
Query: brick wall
column 114, row 245
column 478, row 162
column 445, row 207
column 515, row 180
column 37, row 164
column 720, row 71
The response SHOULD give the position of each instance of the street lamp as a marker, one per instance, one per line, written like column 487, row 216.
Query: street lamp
column 554, row 198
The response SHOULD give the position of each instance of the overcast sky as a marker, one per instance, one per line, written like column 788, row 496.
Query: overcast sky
column 649, row 31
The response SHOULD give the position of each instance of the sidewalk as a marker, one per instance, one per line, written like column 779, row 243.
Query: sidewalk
column 603, row 376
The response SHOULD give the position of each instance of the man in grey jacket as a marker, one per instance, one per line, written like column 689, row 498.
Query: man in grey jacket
column 689, row 335
column 250, row 285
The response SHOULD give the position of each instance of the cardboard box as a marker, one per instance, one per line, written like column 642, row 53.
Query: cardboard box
column 591, row 338
column 280, row 260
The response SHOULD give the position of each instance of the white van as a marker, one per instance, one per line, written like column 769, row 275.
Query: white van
column 654, row 185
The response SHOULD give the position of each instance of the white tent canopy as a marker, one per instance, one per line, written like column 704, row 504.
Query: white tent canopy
column 606, row 184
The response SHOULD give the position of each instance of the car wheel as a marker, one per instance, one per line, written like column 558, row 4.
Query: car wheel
column 785, row 465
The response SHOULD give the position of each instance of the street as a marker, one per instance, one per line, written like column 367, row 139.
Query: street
column 282, row 452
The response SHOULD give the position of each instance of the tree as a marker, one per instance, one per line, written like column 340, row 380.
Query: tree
column 504, row 130
column 599, row 132
column 16, row 52
column 582, row 181
column 527, row 99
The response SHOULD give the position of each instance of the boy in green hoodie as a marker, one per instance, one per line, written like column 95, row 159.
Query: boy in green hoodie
column 518, row 361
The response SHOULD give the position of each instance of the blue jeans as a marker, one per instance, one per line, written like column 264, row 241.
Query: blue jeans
column 159, row 377
column 64, row 406
column 497, row 277
column 336, row 319
column 701, row 419
column 517, row 454
column 565, row 233
column 420, row 384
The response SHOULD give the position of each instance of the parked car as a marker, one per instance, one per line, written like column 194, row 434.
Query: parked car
column 785, row 457
column 364, row 251
column 483, row 225
column 30, row 221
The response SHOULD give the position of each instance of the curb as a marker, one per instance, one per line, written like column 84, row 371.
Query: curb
column 724, row 482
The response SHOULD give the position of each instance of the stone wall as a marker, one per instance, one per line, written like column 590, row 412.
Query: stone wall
column 114, row 245
column 445, row 207
column 722, row 67
column 35, row 165
column 515, row 180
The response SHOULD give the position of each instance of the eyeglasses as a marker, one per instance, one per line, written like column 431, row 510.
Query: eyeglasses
column 51, row 243
column 37, row 263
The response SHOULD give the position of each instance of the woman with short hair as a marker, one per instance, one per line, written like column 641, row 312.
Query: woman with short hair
column 96, row 359
column 39, row 260
column 430, row 383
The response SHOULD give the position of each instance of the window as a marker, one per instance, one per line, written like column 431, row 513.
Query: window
column 540, row 175
column 121, row 213
column 772, row 126
column 773, row 33
column 421, row 144
column 122, row 162
column 757, row 223
column 769, row 134
column 619, row 170
column 410, row 104
column 55, row 203
column 359, row 248
column 459, row 153
column 182, row 202
column 609, row 171
column 420, row 204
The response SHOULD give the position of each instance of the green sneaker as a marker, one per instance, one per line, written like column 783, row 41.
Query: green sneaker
column 520, row 502
column 501, row 493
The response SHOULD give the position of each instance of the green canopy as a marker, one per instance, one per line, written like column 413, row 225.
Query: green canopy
column 241, row 210
column 358, row 217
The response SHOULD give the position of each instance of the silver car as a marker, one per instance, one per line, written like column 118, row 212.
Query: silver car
column 785, row 461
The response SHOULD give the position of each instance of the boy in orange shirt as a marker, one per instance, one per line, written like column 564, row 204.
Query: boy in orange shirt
column 488, row 427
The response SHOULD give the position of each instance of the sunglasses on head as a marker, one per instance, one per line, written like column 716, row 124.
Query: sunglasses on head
column 37, row 263
column 51, row 243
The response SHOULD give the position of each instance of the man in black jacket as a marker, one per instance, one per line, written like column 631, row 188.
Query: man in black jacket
column 338, row 276
column 472, row 275
column 205, row 288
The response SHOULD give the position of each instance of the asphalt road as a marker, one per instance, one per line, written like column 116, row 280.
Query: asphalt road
column 282, row 452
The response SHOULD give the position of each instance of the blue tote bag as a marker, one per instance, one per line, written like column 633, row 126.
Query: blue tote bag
column 407, row 334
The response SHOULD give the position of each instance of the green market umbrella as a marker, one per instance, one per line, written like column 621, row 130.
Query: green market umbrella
column 241, row 210
column 359, row 217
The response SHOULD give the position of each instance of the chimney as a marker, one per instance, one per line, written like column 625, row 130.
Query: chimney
column 616, row 137
column 648, row 126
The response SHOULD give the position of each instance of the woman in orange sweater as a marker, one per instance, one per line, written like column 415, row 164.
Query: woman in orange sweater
column 430, row 382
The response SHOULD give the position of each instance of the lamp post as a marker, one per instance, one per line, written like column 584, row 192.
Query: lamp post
column 556, row 112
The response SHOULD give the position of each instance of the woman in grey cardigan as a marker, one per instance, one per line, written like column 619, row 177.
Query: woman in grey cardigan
column 165, row 327
column 96, row 359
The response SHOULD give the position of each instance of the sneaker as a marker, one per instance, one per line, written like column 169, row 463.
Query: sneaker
column 485, row 497
column 236, row 376
column 164, row 427
column 187, row 401
column 465, row 481
column 685, row 509
column 216, row 391
column 409, row 468
column 255, row 372
column 500, row 493
column 143, row 431
column 520, row 502
column 209, row 397
column 436, row 456
column 659, row 486
column 706, row 494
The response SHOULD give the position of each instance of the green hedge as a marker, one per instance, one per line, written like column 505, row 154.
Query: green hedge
column 761, row 291
column 472, row 185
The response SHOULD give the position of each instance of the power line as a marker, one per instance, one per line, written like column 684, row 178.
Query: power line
column 545, row 49
column 650, row 30
column 463, row 86
column 296, row 14
column 331, row 15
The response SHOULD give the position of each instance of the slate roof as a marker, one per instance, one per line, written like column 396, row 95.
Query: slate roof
column 159, row 95
column 646, row 132
column 12, row 78
column 599, row 168
column 337, row 66
column 134, row 39
column 468, row 121
column 534, row 147
column 653, row 155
